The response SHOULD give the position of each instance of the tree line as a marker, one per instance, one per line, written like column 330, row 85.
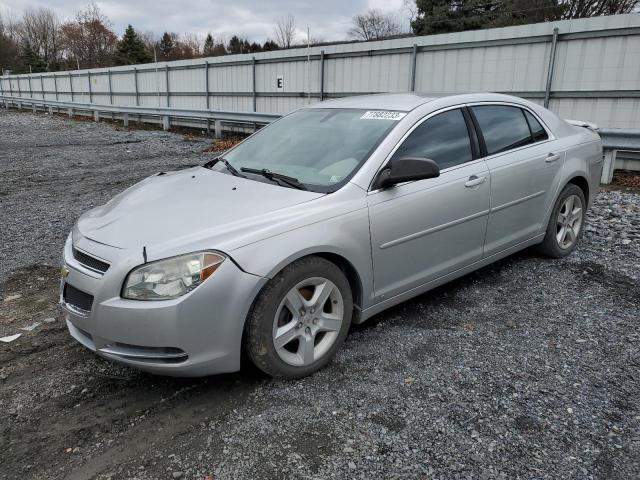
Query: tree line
column 444, row 16
column 40, row 41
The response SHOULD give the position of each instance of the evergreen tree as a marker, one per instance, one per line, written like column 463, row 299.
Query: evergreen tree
column 131, row 49
column 9, row 52
column 242, row 45
column 30, row 60
column 167, row 46
column 208, row 46
column 235, row 45
column 269, row 46
column 442, row 16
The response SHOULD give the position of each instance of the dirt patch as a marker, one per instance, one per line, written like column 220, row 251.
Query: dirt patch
column 27, row 296
column 221, row 144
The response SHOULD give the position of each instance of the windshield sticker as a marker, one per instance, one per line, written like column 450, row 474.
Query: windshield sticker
column 383, row 115
column 335, row 179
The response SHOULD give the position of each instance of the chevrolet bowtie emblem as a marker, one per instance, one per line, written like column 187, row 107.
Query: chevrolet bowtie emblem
column 64, row 272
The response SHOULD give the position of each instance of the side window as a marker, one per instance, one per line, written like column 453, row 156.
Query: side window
column 503, row 127
column 538, row 132
column 443, row 138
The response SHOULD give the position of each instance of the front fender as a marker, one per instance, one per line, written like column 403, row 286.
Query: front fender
column 344, row 235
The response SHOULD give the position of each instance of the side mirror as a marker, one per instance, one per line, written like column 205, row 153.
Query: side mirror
column 407, row 169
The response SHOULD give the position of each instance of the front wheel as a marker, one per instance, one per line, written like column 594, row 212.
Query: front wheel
column 566, row 223
column 300, row 319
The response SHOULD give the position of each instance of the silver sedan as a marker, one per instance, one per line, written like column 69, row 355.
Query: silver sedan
column 322, row 219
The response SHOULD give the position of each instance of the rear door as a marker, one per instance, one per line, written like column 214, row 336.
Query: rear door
column 525, row 167
column 425, row 229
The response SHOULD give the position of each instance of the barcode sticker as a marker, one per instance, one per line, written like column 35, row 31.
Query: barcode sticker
column 383, row 115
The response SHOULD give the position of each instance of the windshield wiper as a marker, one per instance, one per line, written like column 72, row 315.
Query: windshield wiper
column 268, row 174
column 227, row 165
column 230, row 167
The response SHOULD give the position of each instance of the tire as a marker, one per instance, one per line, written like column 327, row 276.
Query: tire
column 279, row 341
column 557, row 244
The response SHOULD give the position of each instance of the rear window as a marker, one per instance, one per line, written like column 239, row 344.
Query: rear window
column 537, row 131
column 503, row 127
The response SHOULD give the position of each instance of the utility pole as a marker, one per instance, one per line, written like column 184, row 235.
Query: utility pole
column 308, row 65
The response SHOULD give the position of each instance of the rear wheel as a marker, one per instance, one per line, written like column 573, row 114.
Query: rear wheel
column 566, row 223
column 300, row 319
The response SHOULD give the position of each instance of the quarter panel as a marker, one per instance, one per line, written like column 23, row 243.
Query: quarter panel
column 585, row 160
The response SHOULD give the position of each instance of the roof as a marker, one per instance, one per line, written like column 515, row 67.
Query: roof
column 405, row 102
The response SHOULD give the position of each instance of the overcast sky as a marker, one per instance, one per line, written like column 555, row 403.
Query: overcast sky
column 328, row 19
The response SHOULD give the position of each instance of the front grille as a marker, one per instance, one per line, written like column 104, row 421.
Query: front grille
column 90, row 262
column 77, row 298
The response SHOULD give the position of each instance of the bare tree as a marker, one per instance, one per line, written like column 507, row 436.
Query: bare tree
column 191, row 45
column 10, row 25
column 150, row 40
column 40, row 29
column 410, row 8
column 595, row 8
column 88, row 39
column 317, row 40
column 374, row 25
column 8, row 46
column 285, row 31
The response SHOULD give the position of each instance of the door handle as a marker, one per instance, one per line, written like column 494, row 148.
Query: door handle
column 475, row 180
column 552, row 157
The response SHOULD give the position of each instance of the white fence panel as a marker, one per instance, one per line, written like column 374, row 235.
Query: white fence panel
column 596, row 72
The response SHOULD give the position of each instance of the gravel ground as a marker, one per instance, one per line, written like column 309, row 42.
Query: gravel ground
column 525, row 369
column 54, row 169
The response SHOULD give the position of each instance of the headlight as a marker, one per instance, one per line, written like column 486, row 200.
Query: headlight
column 170, row 278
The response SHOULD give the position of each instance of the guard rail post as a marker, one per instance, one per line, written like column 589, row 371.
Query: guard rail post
column 609, row 166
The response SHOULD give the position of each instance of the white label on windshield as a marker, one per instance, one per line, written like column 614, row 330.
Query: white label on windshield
column 383, row 115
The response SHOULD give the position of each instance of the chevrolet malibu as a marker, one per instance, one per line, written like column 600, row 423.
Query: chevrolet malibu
column 322, row 219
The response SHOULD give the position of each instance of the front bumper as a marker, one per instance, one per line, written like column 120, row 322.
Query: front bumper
column 197, row 334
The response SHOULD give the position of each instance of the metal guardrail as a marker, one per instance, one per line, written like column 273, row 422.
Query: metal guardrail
column 620, row 138
column 621, row 146
column 218, row 117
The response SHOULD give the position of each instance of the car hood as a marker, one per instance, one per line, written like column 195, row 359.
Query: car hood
column 180, row 206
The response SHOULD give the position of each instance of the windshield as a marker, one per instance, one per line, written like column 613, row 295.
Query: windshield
column 321, row 148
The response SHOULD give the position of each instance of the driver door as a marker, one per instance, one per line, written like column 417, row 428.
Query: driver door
column 425, row 229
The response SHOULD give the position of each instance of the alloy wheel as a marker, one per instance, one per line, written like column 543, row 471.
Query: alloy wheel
column 308, row 321
column 569, row 222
